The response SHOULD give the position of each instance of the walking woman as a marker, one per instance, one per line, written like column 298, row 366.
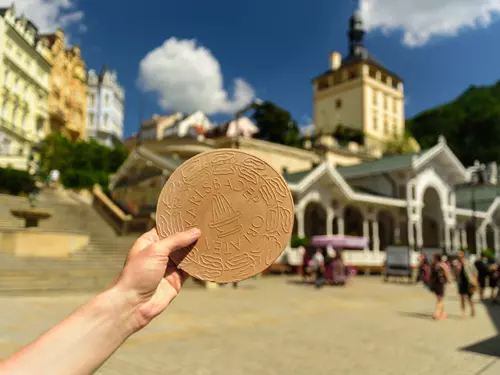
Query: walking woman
column 439, row 278
column 467, row 283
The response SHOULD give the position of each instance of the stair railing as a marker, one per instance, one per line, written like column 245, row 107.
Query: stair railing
column 113, row 214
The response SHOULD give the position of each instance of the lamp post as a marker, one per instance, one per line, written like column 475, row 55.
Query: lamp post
column 255, row 103
column 477, row 178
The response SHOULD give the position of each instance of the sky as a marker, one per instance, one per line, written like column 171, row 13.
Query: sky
column 220, row 55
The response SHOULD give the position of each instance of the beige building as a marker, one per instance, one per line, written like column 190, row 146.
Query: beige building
column 359, row 93
column 68, row 89
column 25, row 65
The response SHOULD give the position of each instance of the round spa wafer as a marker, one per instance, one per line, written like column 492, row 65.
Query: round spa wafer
column 242, row 206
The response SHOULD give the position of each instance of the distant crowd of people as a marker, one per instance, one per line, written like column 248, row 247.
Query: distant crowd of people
column 469, row 277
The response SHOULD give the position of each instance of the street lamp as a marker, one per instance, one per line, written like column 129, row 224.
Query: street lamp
column 477, row 178
column 254, row 104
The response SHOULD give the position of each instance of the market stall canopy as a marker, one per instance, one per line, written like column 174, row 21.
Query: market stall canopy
column 340, row 242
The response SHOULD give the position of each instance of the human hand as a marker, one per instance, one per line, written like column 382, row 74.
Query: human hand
column 150, row 280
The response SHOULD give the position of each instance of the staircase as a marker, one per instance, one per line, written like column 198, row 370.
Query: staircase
column 91, row 269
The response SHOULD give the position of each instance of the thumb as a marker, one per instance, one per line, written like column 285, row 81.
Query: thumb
column 163, row 248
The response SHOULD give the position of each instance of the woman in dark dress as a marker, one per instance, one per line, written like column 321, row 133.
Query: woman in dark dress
column 439, row 278
column 467, row 283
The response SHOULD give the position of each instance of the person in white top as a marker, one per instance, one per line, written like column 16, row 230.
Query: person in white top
column 319, row 267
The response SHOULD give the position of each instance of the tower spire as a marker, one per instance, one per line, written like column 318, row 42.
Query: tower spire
column 356, row 32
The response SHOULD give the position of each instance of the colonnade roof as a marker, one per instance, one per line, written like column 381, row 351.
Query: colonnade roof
column 483, row 197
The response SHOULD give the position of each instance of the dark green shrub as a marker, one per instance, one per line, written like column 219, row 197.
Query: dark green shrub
column 15, row 182
column 296, row 242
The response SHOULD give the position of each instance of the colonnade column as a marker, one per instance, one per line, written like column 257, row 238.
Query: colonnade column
column 376, row 238
column 496, row 233
column 299, row 212
column 447, row 237
column 463, row 234
column 366, row 230
column 330, row 215
column 340, row 220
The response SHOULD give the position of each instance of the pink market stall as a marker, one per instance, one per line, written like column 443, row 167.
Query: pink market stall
column 336, row 272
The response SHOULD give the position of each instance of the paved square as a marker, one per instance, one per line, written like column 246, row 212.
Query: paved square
column 275, row 326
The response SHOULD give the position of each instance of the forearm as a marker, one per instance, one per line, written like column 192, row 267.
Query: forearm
column 79, row 344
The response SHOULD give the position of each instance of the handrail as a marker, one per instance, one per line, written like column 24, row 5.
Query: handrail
column 110, row 211
column 97, row 190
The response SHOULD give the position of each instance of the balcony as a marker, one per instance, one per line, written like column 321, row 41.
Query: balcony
column 15, row 130
column 57, row 113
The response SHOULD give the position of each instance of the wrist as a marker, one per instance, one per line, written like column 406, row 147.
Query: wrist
column 121, row 309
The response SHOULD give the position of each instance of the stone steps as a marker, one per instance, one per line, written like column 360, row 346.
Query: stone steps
column 90, row 270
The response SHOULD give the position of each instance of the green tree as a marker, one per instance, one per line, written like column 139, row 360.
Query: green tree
column 402, row 145
column 81, row 163
column 276, row 124
column 471, row 125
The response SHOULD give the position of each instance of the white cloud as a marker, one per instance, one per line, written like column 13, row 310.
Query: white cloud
column 307, row 126
column 47, row 15
column 420, row 20
column 187, row 77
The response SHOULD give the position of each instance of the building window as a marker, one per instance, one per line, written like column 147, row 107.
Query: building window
column 386, row 126
column 323, row 84
column 16, row 85
column 106, row 100
column 4, row 109
column 338, row 103
column 39, row 124
column 91, row 119
column 92, row 99
column 7, row 77
column 375, row 122
column 375, row 98
column 106, row 117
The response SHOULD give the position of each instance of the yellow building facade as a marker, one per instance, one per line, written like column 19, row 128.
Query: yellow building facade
column 68, row 88
column 25, row 65
column 359, row 93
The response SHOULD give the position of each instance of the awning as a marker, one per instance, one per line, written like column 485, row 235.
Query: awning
column 340, row 242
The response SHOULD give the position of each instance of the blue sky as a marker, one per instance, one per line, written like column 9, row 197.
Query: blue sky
column 273, row 48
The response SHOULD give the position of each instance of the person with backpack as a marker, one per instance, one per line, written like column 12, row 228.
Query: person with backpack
column 424, row 271
column 440, row 276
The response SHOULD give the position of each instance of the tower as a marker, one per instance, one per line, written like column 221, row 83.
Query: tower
column 359, row 93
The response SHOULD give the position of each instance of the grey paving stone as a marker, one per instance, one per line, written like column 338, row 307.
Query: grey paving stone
column 275, row 326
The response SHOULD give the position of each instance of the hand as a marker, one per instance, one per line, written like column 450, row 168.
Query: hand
column 150, row 280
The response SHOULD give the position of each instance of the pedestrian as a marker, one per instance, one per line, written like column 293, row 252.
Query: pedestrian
column 467, row 283
column 54, row 177
column 319, row 267
column 482, row 273
column 493, row 277
column 440, row 276
column 424, row 271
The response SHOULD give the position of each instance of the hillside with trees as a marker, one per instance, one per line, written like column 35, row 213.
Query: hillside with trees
column 470, row 123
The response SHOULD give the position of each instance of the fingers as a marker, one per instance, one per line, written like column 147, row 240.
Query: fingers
column 180, row 240
column 142, row 242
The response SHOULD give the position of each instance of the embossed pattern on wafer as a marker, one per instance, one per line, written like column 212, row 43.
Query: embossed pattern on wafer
column 242, row 206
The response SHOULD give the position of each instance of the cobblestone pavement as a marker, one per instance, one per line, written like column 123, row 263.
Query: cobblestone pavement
column 276, row 326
